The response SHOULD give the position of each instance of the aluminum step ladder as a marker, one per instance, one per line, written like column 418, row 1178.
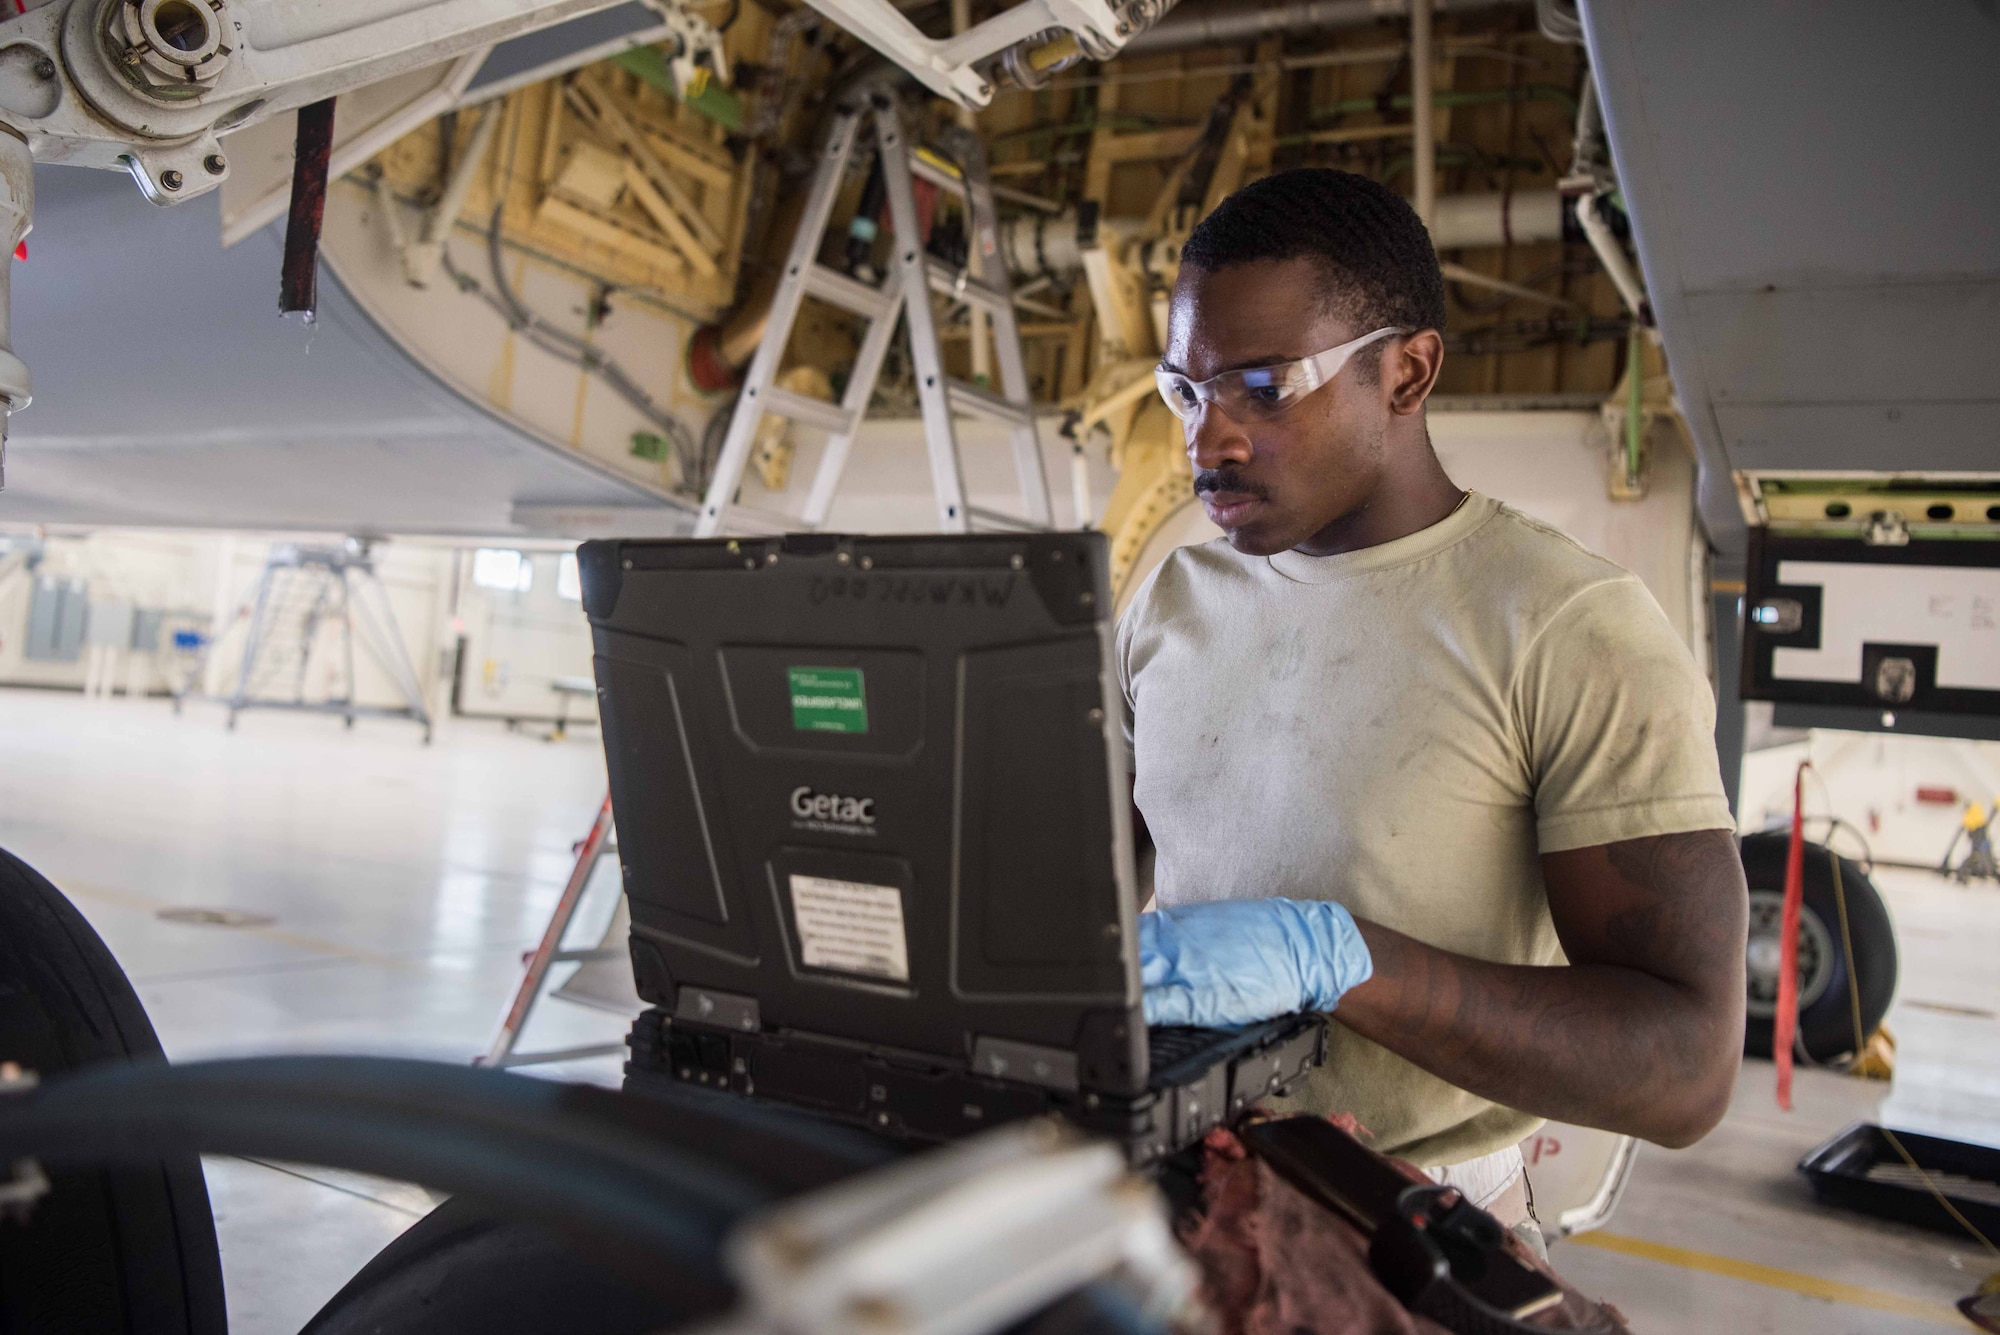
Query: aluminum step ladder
column 303, row 589
column 502, row 1053
column 913, row 275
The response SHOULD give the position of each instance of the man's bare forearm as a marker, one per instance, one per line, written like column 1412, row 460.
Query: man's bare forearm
column 1641, row 1032
column 1599, row 1045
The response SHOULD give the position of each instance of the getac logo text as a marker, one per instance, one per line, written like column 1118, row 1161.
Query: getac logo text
column 809, row 805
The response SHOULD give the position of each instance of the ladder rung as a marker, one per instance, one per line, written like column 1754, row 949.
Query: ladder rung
column 831, row 285
column 514, row 1059
column 813, row 412
column 962, row 285
column 976, row 402
column 996, row 520
column 590, row 956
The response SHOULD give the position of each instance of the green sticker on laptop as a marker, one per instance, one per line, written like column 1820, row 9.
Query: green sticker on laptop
column 828, row 700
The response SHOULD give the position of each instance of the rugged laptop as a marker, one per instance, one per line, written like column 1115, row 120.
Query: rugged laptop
column 874, row 819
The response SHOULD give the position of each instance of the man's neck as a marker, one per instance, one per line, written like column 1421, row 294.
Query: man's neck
column 1401, row 505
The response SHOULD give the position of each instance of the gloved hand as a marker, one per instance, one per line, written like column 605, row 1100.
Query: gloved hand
column 1237, row 961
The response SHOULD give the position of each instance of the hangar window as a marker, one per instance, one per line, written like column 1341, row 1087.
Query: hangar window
column 502, row 568
column 569, row 584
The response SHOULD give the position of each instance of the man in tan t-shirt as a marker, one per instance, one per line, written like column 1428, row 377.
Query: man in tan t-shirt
column 1407, row 755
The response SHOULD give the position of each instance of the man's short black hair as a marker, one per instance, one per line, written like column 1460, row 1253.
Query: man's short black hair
column 1376, row 256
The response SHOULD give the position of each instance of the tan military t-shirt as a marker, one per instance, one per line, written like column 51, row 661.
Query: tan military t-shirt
column 1404, row 729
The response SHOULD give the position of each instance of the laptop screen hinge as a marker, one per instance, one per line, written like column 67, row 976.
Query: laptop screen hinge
column 723, row 1010
column 1006, row 1059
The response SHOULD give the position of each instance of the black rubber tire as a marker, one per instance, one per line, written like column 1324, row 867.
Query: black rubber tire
column 463, row 1270
column 130, row 1251
column 1826, row 1027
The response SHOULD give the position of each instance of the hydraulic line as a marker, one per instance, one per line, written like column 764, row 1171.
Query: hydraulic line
column 574, row 350
column 1241, row 22
column 1585, row 162
column 650, row 1184
column 1612, row 256
column 1589, row 129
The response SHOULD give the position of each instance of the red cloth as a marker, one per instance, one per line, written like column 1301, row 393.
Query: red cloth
column 1276, row 1262
column 1785, row 1024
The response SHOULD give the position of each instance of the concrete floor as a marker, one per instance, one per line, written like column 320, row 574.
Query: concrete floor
column 403, row 883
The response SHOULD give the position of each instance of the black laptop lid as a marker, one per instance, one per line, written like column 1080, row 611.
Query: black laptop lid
column 873, row 787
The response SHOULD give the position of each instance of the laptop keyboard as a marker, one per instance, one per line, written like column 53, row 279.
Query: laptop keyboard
column 1171, row 1045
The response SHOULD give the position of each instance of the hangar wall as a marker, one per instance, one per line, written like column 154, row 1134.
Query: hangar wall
column 206, row 580
column 1549, row 464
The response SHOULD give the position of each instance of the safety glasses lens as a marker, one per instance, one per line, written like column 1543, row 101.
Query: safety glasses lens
column 1262, row 395
column 1179, row 392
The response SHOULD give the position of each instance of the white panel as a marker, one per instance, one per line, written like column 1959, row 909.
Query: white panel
column 519, row 643
column 1956, row 608
column 1552, row 466
column 887, row 485
column 1555, row 467
column 271, row 24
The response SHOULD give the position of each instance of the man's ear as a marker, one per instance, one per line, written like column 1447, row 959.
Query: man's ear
column 1411, row 370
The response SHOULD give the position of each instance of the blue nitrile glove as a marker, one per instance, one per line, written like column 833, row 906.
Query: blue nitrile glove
column 1237, row 961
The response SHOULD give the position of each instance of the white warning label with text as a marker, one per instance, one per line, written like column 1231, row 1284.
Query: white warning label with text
column 851, row 926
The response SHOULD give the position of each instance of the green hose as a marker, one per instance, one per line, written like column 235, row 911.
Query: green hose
column 714, row 101
column 1635, row 364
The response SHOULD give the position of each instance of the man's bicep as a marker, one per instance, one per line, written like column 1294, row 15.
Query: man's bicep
column 1670, row 905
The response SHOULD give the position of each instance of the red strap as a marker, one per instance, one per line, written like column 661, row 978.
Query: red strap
column 1785, row 1024
column 927, row 198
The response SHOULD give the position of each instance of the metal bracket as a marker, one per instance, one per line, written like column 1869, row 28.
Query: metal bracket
column 968, row 1238
column 947, row 66
column 1887, row 528
column 699, row 55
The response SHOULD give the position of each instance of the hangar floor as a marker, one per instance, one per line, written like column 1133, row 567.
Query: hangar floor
column 403, row 882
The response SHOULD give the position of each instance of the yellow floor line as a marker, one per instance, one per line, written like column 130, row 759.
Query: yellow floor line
column 1811, row 1286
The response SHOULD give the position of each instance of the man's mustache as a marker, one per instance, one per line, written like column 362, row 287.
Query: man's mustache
column 1225, row 479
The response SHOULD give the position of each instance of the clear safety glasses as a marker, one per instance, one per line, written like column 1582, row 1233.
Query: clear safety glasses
column 1259, row 392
